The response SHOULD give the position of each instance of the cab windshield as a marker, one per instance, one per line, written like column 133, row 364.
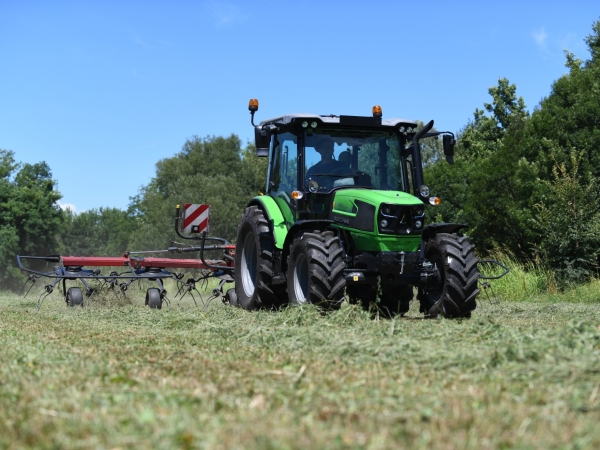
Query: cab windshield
column 339, row 159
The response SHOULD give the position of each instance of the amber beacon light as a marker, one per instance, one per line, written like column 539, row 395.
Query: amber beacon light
column 377, row 111
column 253, row 105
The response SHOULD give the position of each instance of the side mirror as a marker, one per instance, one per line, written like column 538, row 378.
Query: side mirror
column 262, row 140
column 449, row 143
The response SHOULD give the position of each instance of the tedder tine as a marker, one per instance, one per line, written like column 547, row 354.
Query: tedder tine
column 33, row 278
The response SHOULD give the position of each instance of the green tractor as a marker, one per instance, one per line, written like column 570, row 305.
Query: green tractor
column 343, row 214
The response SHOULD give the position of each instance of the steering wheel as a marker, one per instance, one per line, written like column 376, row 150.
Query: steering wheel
column 326, row 176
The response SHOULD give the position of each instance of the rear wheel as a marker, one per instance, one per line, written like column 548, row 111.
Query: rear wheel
column 253, row 271
column 316, row 270
column 74, row 297
column 454, row 257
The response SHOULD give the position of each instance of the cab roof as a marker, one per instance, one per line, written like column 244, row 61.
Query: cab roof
column 331, row 119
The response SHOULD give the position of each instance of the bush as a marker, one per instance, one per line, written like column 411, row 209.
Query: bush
column 569, row 223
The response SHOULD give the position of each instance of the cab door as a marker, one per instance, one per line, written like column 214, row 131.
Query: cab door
column 283, row 176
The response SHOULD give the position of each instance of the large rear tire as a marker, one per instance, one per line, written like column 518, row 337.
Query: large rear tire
column 253, row 271
column 454, row 257
column 316, row 270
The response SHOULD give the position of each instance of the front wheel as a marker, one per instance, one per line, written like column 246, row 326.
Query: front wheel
column 316, row 270
column 454, row 257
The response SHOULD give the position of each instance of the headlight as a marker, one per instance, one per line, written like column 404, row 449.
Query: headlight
column 424, row 191
column 418, row 224
column 313, row 186
column 383, row 223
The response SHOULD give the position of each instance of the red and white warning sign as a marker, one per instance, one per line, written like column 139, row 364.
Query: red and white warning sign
column 195, row 218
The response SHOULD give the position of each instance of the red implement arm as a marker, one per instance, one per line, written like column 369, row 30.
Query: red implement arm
column 120, row 261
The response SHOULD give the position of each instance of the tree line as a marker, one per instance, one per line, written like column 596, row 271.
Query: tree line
column 528, row 183
column 524, row 183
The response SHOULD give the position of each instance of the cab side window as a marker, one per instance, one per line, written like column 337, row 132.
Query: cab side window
column 285, row 163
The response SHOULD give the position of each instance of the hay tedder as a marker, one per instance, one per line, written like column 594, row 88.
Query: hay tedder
column 137, row 266
column 343, row 216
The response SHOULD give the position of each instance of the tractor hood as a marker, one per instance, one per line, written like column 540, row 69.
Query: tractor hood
column 379, row 220
column 344, row 200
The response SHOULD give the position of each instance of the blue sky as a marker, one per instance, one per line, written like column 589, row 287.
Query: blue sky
column 103, row 90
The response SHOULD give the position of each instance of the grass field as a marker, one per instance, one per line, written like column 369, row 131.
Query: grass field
column 521, row 374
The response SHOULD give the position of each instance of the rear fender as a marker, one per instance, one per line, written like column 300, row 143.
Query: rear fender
column 274, row 217
column 435, row 228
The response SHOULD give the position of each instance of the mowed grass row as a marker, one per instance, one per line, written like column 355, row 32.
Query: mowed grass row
column 118, row 375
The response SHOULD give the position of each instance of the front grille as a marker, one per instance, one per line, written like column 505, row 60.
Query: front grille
column 400, row 219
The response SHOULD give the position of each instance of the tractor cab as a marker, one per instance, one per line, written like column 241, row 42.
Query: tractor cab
column 311, row 157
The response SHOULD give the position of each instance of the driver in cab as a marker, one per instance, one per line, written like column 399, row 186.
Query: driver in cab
column 328, row 164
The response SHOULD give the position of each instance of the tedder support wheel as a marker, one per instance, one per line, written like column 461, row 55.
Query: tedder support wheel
column 231, row 297
column 316, row 270
column 74, row 297
column 253, row 271
column 395, row 300
column 455, row 259
column 153, row 299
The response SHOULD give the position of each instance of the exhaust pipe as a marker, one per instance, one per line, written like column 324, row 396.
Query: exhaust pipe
column 416, row 156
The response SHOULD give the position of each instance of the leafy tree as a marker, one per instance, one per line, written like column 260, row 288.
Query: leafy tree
column 105, row 231
column 254, row 170
column 479, row 189
column 29, row 215
column 483, row 136
column 520, row 180
column 569, row 221
column 451, row 183
column 568, row 119
column 212, row 170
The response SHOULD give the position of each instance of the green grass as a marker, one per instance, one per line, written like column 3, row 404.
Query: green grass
column 526, row 281
column 522, row 374
column 529, row 281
